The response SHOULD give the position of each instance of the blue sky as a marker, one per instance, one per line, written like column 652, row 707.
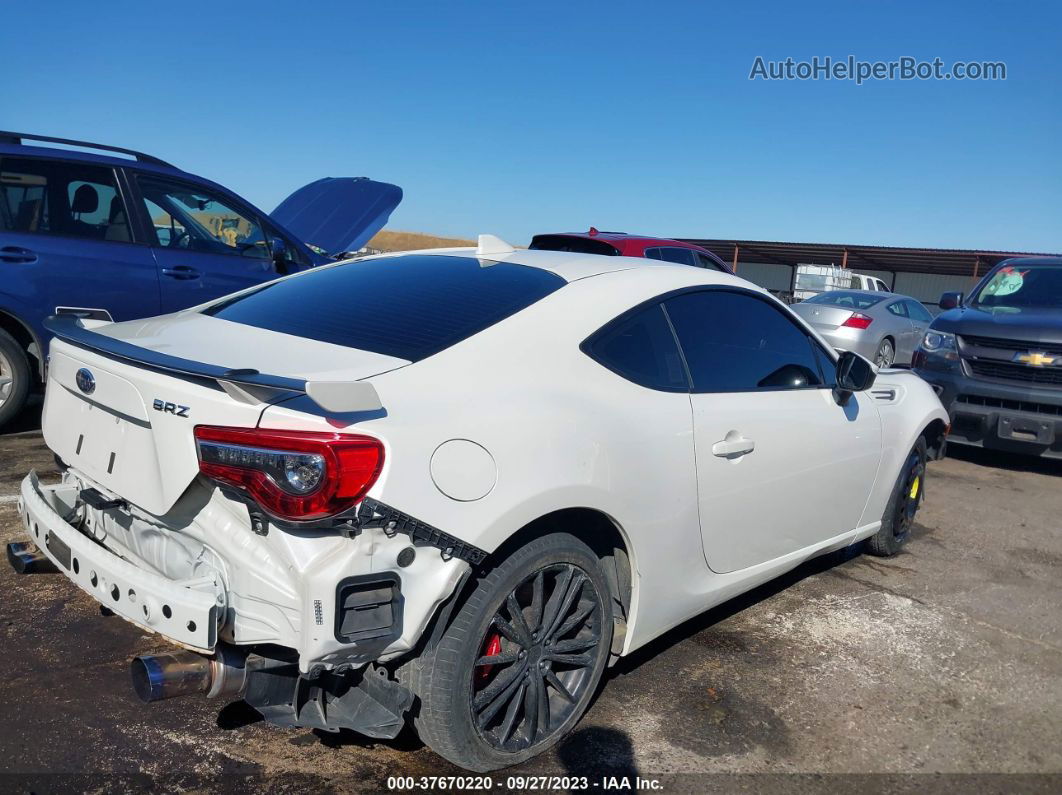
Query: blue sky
column 517, row 118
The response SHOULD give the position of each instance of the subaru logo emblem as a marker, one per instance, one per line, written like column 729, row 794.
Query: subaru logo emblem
column 85, row 382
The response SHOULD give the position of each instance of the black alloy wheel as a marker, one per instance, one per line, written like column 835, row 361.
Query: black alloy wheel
column 538, row 655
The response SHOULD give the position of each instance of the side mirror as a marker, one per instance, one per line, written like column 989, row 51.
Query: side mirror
column 854, row 374
column 950, row 300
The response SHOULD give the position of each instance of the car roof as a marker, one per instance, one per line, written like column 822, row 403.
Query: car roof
column 1031, row 261
column 621, row 237
column 573, row 266
column 882, row 294
column 95, row 158
column 862, row 292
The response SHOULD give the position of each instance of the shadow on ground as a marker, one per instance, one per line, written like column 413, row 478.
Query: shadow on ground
column 999, row 459
column 28, row 420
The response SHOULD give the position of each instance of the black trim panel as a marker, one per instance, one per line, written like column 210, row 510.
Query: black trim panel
column 376, row 514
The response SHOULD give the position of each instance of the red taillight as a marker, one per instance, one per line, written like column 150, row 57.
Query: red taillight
column 298, row 475
column 858, row 320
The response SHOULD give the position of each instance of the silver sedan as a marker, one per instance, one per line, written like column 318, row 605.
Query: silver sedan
column 883, row 327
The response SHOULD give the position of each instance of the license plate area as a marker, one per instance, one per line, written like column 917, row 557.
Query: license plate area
column 1026, row 429
column 59, row 549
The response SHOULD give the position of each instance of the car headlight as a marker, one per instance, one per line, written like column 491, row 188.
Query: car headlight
column 935, row 341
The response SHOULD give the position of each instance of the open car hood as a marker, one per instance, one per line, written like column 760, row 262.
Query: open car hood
column 338, row 214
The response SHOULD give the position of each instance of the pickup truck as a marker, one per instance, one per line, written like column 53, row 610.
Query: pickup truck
column 995, row 358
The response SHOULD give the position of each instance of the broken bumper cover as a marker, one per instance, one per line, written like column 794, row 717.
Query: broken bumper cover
column 185, row 612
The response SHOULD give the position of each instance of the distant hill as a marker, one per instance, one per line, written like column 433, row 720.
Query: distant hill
column 387, row 240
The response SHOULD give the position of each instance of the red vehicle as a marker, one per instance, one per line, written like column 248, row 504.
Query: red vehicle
column 623, row 245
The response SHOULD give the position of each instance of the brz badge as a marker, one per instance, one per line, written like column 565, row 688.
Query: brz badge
column 169, row 408
column 85, row 381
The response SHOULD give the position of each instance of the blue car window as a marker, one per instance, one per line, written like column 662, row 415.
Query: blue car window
column 186, row 216
column 57, row 197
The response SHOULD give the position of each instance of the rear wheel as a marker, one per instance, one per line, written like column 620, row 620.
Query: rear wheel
column 521, row 660
column 903, row 505
column 886, row 354
column 15, row 377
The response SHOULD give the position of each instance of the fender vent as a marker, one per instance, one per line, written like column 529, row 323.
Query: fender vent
column 885, row 395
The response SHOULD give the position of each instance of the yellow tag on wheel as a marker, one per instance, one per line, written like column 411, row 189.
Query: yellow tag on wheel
column 914, row 486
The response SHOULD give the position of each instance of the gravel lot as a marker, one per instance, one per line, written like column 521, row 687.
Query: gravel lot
column 945, row 660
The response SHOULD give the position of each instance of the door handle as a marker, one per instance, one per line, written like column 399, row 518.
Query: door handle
column 17, row 256
column 733, row 445
column 182, row 272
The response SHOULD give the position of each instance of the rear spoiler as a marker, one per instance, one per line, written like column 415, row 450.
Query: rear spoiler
column 245, row 384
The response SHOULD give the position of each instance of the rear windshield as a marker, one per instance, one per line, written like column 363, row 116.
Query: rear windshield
column 846, row 299
column 580, row 245
column 405, row 306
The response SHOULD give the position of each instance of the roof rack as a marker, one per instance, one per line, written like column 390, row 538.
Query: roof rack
column 18, row 138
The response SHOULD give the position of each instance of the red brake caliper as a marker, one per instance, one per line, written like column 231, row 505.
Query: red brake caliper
column 490, row 648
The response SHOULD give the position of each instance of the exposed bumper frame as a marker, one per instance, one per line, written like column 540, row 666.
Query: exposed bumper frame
column 184, row 612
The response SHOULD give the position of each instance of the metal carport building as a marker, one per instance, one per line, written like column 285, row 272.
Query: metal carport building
column 922, row 273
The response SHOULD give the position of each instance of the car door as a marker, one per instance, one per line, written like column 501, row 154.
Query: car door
column 205, row 242
column 780, row 465
column 906, row 334
column 66, row 243
column 920, row 320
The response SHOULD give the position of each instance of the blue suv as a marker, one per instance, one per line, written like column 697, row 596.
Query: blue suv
column 115, row 234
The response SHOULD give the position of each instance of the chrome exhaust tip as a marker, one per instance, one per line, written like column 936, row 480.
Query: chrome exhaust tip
column 159, row 676
column 25, row 558
column 185, row 673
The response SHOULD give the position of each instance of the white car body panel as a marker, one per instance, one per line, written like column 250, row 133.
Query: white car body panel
column 757, row 507
column 557, row 430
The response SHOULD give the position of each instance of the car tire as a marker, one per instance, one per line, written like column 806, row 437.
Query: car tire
column 886, row 355
column 14, row 365
column 906, row 497
column 476, row 714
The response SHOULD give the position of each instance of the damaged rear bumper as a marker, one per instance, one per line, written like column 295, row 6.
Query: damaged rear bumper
column 185, row 612
column 203, row 575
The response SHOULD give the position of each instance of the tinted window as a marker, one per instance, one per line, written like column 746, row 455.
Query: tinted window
column 186, row 216
column 847, row 299
column 735, row 342
column 918, row 312
column 898, row 308
column 406, row 306
column 704, row 261
column 642, row 349
column 827, row 366
column 581, row 245
column 652, row 253
column 682, row 256
column 61, row 198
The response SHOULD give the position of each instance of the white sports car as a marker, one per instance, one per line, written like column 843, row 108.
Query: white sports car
column 457, row 484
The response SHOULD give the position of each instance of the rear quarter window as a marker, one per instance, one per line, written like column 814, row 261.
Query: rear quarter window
column 641, row 347
column 409, row 307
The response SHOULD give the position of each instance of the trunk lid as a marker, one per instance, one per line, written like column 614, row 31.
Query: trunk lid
column 338, row 214
column 822, row 316
column 122, row 402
